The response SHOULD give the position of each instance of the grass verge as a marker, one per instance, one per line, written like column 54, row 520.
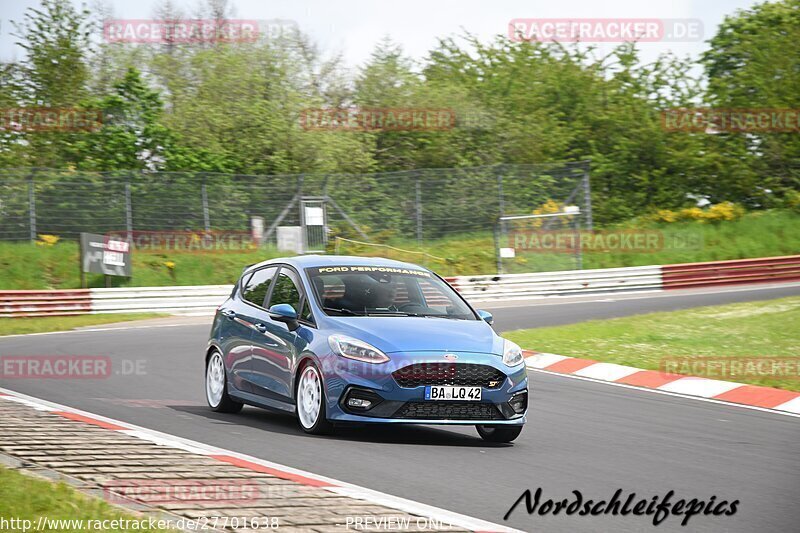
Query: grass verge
column 16, row 326
column 24, row 497
column 764, row 329
column 757, row 234
column 28, row 266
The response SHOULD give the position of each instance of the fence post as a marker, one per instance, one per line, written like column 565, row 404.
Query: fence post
column 204, row 194
column 498, row 257
column 418, row 192
column 501, row 198
column 578, row 250
column 32, row 207
column 501, row 207
column 587, row 196
column 128, row 209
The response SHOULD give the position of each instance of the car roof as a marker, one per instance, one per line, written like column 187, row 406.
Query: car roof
column 311, row 261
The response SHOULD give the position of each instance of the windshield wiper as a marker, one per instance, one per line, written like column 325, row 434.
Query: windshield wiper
column 408, row 313
column 342, row 310
column 392, row 313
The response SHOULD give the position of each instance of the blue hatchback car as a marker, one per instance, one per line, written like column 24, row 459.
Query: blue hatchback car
column 337, row 339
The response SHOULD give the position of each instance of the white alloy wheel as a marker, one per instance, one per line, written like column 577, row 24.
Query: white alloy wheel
column 309, row 397
column 215, row 380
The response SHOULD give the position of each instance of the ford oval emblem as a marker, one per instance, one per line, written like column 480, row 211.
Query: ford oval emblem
column 450, row 356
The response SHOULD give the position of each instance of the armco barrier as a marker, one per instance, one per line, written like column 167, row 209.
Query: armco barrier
column 716, row 273
column 503, row 287
column 199, row 299
column 44, row 303
column 204, row 299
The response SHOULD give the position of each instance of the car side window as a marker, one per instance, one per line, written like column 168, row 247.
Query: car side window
column 306, row 314
column 285, row 292
column 257, row 286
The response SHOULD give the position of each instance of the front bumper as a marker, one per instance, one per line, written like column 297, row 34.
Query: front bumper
column 395, row 404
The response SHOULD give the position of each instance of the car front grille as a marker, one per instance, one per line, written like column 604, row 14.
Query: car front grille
column 449, row 411
column 459, row 374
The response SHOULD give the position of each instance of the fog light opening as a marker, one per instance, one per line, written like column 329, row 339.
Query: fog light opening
column 359, row 402
column 360, row 399
column 519, row 402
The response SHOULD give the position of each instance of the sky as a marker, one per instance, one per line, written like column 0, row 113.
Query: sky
column 353, row 27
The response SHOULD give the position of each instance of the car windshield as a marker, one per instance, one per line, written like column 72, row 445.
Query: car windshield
column 385, row 291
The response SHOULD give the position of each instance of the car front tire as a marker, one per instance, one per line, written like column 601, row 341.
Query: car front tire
column 217, row 386
column 310, row 401
column 498, row 433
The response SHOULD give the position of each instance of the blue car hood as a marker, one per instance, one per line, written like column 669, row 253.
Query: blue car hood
column 418, row 334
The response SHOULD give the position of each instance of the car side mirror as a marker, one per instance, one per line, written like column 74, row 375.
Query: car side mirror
column 284, row 313
column 487, row 316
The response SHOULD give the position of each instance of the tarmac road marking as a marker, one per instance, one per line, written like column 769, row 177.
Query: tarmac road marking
column 779, row 401
column 340, row 488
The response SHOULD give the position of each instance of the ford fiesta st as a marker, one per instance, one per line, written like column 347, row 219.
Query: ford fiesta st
column 362, row 340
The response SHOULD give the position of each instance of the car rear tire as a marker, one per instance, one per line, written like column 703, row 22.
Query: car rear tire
column 310, row 401
column 498, row 433
column 217, row 386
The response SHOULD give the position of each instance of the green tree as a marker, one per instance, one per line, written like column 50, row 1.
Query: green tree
column 132, row 136
column 53, row 73
column 754, row 62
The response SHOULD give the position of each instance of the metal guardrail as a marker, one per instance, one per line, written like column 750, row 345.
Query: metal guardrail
column 45, row 303
column 203, row 299
column 197, row 299
column 716, row 273
column 510, row 286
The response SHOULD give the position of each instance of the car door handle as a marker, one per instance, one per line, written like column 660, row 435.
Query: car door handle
column 229, row 313
column 261, row 327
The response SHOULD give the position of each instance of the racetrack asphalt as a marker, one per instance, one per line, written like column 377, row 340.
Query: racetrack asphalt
column 556, row 311
column 585, row 436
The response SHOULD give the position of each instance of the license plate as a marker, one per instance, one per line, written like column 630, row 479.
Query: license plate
column 452, row 393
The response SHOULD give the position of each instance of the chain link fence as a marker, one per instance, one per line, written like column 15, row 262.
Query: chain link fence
column 420, row 209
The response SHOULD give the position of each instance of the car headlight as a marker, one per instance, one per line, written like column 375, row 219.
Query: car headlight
column 512, row 354
column 356, row 349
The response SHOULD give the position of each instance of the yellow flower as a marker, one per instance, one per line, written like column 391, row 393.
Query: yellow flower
column 724, row 211
column 47, row 240
column 692, row 213
column 169, row 264
column 665, row 215
column 549, row 207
